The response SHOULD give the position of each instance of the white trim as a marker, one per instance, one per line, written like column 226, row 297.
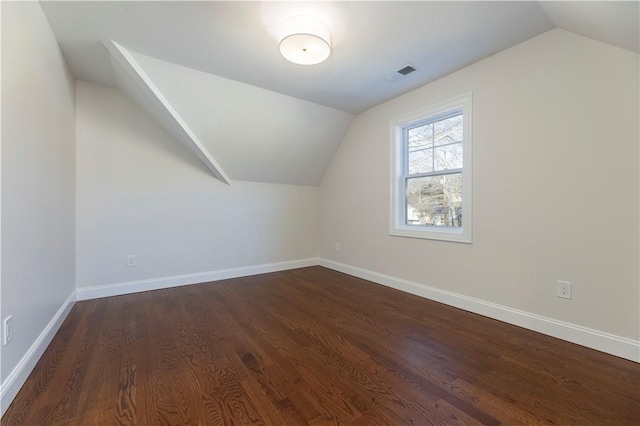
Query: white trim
column 186, row 135
column 14, row 381
column 397, row 225
column 117, row 289
column 594, row 339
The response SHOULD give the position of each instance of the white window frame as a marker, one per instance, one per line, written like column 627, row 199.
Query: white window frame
column 399, row 227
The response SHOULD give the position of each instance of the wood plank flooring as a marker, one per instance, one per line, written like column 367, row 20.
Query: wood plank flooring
column 312, row 346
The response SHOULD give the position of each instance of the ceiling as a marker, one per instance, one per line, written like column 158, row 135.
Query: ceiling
column 371, row 40
column 231, row 48
column 239, row 131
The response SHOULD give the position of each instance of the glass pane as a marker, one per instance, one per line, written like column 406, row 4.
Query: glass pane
column 435, row 200
column 448, row 130
column 448, row 157
column 420, row 137
column 420, row 161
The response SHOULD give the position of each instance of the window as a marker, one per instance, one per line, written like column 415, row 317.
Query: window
column 431, row 172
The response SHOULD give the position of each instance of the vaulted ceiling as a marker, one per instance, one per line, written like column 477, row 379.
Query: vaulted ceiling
column 211, row 73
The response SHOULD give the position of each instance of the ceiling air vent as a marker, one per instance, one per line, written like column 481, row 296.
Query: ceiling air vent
column 407, row 70
column 401, row 73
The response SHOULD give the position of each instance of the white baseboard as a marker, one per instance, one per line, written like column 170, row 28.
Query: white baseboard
column 14, row 381
column 117, row 289
column 594, row 339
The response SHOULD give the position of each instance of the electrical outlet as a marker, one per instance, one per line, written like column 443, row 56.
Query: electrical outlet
column 564, row 289
column 131, row 261
column 7, row 328
column 338, row 248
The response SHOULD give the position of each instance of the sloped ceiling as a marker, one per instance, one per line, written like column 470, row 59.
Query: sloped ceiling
column 611, row 22
column 254, row 133
column 250, row 114
column 136, row 84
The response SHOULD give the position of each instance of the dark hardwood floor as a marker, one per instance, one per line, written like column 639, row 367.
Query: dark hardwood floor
column 312, row 346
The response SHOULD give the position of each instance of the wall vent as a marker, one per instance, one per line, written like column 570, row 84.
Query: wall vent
column 401, row 73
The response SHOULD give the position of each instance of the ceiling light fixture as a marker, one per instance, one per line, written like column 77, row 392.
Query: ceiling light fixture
column 305, row 40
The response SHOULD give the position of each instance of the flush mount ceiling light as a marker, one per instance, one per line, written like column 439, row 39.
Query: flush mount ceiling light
column 305, row 40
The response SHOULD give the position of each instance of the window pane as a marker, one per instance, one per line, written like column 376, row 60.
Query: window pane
column 448, row 157
column 435, row 200
column 420, row 137
column 448, row 130
column 420, row 161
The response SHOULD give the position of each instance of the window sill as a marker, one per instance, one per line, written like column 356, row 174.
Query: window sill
column 441, row 234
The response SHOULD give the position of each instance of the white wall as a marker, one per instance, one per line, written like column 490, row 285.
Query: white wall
column 555, row 130
column 38, row 175
column 139, row 192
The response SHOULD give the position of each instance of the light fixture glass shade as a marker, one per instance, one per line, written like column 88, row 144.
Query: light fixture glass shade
column 305, row 40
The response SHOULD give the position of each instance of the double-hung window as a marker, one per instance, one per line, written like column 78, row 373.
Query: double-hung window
column 431, row 172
